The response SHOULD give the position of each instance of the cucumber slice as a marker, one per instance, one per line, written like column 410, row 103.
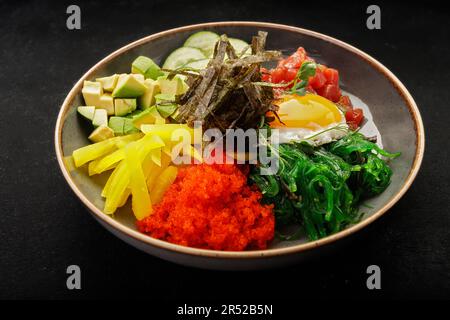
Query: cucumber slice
column 203, row 40
column 240, row 45
column 182, row 56
column 199, row 64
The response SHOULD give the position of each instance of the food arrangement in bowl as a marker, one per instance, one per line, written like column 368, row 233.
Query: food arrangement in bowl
column 230, row 146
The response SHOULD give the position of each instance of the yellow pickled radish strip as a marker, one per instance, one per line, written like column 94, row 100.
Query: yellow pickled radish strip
column 118, row 155
column 107, row 161
column 147, row 144
column 165, row 131
column 118, row 186
column 167, row 149
column 125, row 196
column 93, row 151
column 156, row 171
column 122, row 141
column 141, row 204
column 155, row 155
column 107, row 186
column 148, row 166
column 165, row 179
column 121, row 179
column 92, row 165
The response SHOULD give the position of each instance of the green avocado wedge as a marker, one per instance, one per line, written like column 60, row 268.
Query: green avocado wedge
column 128, row 86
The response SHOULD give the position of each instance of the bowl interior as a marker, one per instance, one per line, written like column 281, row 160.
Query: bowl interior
column 358, row 76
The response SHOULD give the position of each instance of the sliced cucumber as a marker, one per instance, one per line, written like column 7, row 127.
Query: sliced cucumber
column 203, row 40
column 198, row 64
column 182, row 56
column 239, row 45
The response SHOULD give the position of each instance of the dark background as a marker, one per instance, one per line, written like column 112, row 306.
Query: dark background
column 44, row 228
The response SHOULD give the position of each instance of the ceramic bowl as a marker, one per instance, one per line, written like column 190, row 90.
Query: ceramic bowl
column 393, row 109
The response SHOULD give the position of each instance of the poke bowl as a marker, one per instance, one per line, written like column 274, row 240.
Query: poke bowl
column 347, row 132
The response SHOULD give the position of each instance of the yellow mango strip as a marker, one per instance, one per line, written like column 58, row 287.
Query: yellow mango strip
column 165, row 179
column 118, row 186
column 125, row 196
column 142, row 207
column 93, row 151
column 156, row 171
column 107, row 161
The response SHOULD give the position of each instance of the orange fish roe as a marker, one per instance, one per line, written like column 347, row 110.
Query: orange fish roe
column 211, row 207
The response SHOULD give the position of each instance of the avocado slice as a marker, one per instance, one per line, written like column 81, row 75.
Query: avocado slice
column 174, row 86
column 106, row 102
column 101, row 133
column 164, row 105
column 92, row 91
column 146, row 67
column 138, row 77
column 174, row 115
column 164, row 97
column 148, row 116
column 128, row 126
column 116, row 124
column 166, row 110
column 129, row 86
column 124, row 106
column 87, row 112
column 100, row 118
column 108, row 83
column 122, row 125
column 160, row 120
column 148, row 98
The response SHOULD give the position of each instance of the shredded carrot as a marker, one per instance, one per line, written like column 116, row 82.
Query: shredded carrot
column 212, row 207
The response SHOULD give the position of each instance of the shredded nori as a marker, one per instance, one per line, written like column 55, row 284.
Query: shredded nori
column 321, row 187
column 224, row 95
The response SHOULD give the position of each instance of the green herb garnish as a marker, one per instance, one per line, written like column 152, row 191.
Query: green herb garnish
column 307, row 70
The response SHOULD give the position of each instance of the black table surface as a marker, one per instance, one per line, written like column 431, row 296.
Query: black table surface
column 44, row 228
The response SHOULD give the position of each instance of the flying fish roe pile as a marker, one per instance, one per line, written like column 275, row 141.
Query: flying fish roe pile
column 212, row 207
